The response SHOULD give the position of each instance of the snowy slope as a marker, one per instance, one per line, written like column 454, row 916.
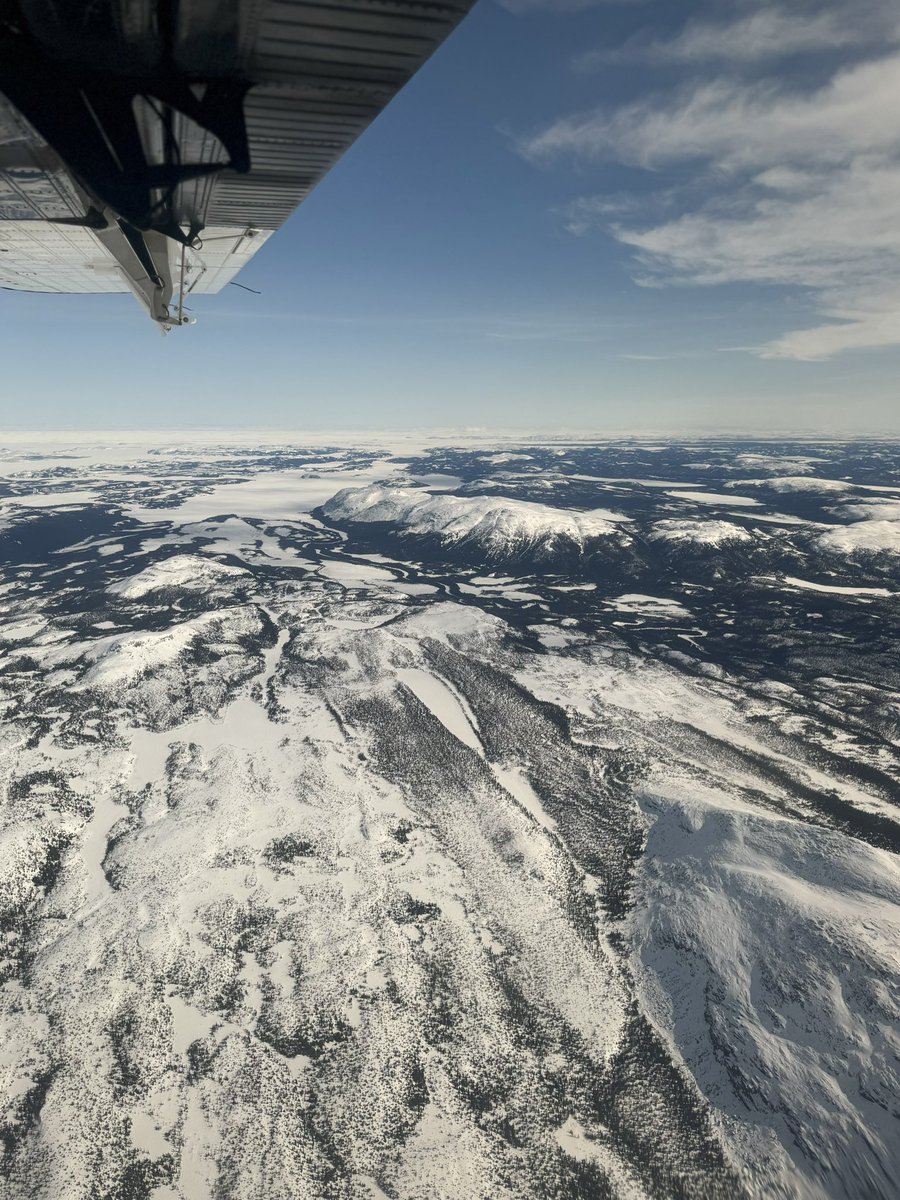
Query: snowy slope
column 767, row 951
column 181, row 572
column 698, row 533
column 863, row 537
column 795, row 483
column 502, row 527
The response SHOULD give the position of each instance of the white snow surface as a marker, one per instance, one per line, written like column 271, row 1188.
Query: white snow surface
column 265, row 922
column 124, row 658
column 795, row 932
column 837, row 589
column 181, row 572
column 776, row 463
column 701, row 533
column 76, row 498
column 332, row 889
column 863, row 537
column 500, row 525
column 714, row 498
column 795, row 483
column 871, row 509
column 649, row 606
column 766, row 949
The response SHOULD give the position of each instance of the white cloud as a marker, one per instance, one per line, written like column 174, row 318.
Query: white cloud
column 585, row 212
column 768, row 33
column 802, row 189
column 738, row 125
column 836, row 230
column 868, row 332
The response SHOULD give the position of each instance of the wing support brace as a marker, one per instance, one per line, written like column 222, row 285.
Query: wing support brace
column 87, row 117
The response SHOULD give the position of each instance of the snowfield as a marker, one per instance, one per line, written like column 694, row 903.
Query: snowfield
column 450, row 846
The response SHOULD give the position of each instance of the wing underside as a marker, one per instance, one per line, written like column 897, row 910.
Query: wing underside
column 152, row 146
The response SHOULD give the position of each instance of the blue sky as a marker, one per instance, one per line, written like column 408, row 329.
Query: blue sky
column 612, row 216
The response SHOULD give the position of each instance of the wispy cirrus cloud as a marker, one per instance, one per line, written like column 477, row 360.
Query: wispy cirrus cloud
column 835, row 232
column 766, row 34
column 737, row 125
column 586, row 212
column 802, row 188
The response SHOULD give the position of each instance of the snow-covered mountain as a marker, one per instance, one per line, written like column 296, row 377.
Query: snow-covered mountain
column 495, row 819
column 180, row 573
column 501, row 528
column 710, row 533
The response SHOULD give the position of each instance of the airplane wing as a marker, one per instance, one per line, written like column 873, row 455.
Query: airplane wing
column 152, row 146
